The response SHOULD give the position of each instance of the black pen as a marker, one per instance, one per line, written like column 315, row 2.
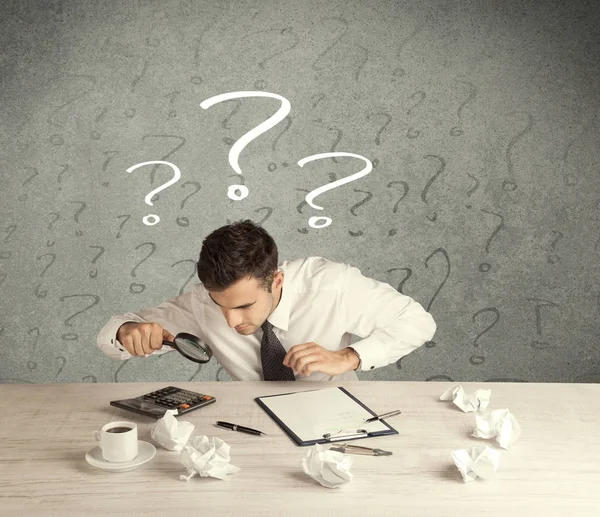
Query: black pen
column 240, row 428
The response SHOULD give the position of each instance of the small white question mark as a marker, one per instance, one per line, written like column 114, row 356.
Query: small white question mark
column 313, row 222
column 239, row 192
column 152, row 219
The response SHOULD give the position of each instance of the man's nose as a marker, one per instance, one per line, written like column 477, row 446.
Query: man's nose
column 233, row 318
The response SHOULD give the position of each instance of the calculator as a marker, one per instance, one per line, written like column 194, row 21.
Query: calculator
column 156, row 403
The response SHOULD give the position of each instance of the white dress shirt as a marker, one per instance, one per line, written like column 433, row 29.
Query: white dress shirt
column 322, row 301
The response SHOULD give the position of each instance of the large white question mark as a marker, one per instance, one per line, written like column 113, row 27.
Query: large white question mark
column 239, row 192
column 152, row 219
column 313, row 222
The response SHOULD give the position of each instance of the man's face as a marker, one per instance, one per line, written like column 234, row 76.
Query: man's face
column 246, row 304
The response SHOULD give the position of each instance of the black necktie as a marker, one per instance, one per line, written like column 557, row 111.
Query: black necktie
column 271, row 355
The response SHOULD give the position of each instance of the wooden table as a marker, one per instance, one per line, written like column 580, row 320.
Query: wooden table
column 552, row 470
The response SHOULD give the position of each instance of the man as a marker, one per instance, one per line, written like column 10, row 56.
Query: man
column 277, row 323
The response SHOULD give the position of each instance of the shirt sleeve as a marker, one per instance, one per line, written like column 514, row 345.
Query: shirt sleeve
column 174, row 315
column 391, row 324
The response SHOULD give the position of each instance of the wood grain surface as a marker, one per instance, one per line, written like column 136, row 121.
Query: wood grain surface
column 552, row 470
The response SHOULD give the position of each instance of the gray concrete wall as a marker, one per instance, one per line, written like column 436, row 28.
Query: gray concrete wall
column 481, row 120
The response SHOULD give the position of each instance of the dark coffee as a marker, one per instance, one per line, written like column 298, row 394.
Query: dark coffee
column 118, row 429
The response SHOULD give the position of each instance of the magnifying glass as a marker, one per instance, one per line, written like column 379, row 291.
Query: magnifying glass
column 191, row 347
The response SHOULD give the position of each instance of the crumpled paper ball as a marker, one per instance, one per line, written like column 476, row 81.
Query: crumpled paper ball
column 207, row 457
column 477, row 401
column 330, row 468
column 481, row 461
column 499, row 423
column 171, row 433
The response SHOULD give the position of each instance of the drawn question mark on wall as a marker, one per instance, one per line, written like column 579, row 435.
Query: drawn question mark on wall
column 313, row 222
column 478, row 359
column 457, row 130
column 513, row 141
column 414, row 133
column 366, row 199
column 184, row 221
column 484, row 267
column 82, row 207
column 239, row 192
column 273, row 166
column 283, row 32
column 23, row 197
column 443, row 252
column 125, row 218
column 388, row 120
column 189, row 279
column 9, row 231
column 43, row 293
column 441, row 168
column 172, row 98
column 72, row 336
column 152, row 219
column 65, row 168
column 134, row 287
column 472, row 190
column 63, row 361
column 32, row 365
column 404, row 185
column 56, row 218
column 94, row 273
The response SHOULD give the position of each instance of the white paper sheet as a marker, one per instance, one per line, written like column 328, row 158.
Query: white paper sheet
column 311, row 414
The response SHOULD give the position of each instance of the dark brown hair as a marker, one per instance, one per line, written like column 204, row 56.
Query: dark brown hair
column 239, row 250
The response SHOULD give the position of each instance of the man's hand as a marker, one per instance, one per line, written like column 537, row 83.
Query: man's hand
column 310, row 357
column 142, row 338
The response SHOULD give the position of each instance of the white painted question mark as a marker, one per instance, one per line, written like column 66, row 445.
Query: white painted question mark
column 152, row 219
column 239, row 192
column 313, row 222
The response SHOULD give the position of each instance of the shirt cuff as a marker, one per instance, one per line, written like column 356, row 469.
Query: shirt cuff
column 108, row 343
column 372, row 353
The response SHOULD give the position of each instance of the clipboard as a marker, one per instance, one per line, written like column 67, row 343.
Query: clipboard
column 322, row 416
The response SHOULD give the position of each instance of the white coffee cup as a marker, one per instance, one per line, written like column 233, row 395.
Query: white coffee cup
column 118, row 441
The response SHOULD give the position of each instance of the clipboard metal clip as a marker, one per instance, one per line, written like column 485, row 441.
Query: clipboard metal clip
column 330, row 437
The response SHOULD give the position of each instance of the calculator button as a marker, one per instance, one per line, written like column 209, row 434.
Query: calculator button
column 206, row 397
column 184, row 406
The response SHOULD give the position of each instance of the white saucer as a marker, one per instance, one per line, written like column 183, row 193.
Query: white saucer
column 146, row 452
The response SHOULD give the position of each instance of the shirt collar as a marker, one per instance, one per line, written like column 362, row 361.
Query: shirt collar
column 280, row 317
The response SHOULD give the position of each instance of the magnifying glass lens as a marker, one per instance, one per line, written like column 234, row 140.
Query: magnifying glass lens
column 196, row 350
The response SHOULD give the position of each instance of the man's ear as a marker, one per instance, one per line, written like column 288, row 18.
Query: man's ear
column 277, row 280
